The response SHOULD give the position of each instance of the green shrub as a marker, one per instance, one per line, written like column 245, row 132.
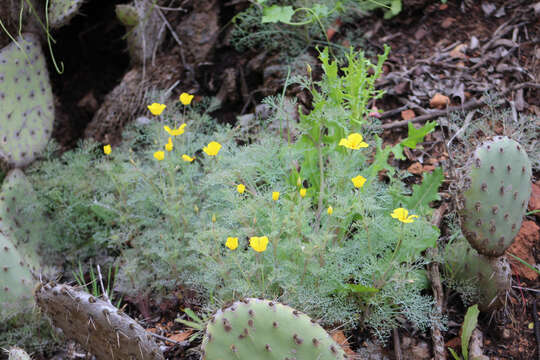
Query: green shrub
column 167, row 222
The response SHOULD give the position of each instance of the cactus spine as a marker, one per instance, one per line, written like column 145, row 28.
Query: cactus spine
column 99, row 327
column 260, row 329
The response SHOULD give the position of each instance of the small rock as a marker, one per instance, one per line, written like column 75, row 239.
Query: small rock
column 439, row 101
column 488, row 8
column 474, row 43
column 524, row 243
column 534, row 201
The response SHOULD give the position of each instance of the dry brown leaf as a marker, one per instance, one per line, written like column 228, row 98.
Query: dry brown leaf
column 407, row 114
column 182, row 336
column 459, row 52
column 439, row 101
column 416, row 168
column 341, row 339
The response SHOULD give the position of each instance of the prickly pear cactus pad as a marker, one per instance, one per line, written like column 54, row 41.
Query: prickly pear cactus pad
column 257, row 329
column 496, row 195
column 62, row 11
column 26, row 102
column 16, row 353
column 16, row 281
column 99, row 327
column 20, row 216
column 480, row 279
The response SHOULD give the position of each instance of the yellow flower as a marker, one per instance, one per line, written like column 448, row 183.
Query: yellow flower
column 169, row 145
column 156, row 108
column 107, row 149
column 187, row 158
column 258, row 243
column 353, row 141
column 212, row 149
column 159, row 155
column 175, row 132
column 358, row 181
column 330, row 210
column 186, row 98
column 214, row 218
column 303, row 192
column 232, row 243
column 241, row 188
column 403, row 215
column 275, row 195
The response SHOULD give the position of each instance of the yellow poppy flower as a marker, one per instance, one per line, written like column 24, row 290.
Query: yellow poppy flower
column 241, row 188
column 175, row 132
column 275, row 195
column 156, row 109
column 169, row 145
column 330, row 210
column 187, row 158
column 358, row 181
column 107, row 149
column 403, row 215
column 232, row 243
column 353, row 141
column 159, row 155
column 212, row 148
column 186, row 98
column 303, row 192
column 258, row 243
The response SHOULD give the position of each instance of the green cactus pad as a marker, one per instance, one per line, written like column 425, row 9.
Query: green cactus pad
column 20, row 217
column 481, row 279
column 496, row 195
column 26, row 102
column 16, row 353
column 257, row 329
column 62, row 11
column 100, row 328
column 16, row 281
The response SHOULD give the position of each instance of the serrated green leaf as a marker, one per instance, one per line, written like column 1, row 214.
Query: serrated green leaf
column 275, row 13
column 417, row 135
column 426, row 192
column 320, row 11
column 469, row 323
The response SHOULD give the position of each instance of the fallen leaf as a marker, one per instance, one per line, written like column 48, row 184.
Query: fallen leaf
column 407, row 114
column 428, row 168
column 447, row 22
column 182, row 336
column 459, row 52
column 416, row 168
column 522, row 247
column 439, row 101
column 443, row 6
column 341, row 339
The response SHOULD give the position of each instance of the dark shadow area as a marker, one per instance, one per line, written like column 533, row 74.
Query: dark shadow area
column 95, row 59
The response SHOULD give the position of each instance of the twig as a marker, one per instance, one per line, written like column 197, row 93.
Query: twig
column 105, row 296
column 397, row 345
column 434, row 275
column 469, row 105
column 164, row 338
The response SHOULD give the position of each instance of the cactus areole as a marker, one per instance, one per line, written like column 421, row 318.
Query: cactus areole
column 497, row 190
column 257, row 329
